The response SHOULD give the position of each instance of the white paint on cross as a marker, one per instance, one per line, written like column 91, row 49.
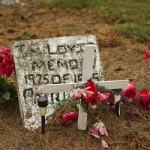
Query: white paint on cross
column 86, row 75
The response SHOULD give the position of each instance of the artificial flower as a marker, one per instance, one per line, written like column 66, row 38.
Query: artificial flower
column 90, row 85
column 130, row 91
column 98, row 130
column 144, row 101
column 84, row 94
column 88, row 96
column 104, row 97
column 6, row 62
column 147, row 54
column 68, row 118
column 4, row 50
column 91, row 95
column 104, row 144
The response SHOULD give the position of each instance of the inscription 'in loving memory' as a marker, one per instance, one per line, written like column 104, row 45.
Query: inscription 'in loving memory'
column 61, row 49
column 52, row 65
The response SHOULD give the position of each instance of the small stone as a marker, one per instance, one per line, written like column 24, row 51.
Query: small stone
column 11, row 30
column 9, row 2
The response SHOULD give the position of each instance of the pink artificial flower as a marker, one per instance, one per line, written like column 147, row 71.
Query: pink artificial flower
column 88, row 96
column 84, row 94
column 102, row 97
column 130, row 91
column 98, row 130
column 92, row 96
column 94, row 132
column 68, row 118
column 144, row 99
column 104, row 144
column 147, row 54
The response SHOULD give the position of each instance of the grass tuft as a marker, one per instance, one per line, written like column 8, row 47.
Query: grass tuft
column 132, row 30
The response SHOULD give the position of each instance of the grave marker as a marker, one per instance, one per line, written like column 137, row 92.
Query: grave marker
column 50, row 61
column 86, row 75
column 82, row 119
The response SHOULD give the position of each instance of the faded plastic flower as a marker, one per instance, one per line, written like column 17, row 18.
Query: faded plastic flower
column 91, row 95
column 145, row 99
column 104, row 144
column 68, row 118
column 103, row 97
column 98, row 130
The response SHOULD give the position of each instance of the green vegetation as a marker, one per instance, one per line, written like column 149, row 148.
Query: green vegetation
column 130, row 17
column 77, row 4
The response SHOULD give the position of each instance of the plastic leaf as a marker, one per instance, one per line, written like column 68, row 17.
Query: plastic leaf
column 6, row 96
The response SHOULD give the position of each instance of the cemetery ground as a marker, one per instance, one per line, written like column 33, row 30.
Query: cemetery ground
column 122, row 57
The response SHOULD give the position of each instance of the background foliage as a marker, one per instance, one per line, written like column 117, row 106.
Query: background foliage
column 130, row 18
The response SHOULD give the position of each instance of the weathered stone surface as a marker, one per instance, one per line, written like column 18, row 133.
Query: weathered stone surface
column 49, row 61
column 9, row 2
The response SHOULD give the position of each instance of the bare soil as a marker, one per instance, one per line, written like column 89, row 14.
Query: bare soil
column 122, row 59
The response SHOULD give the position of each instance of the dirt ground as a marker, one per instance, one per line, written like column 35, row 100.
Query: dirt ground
column 122, row 59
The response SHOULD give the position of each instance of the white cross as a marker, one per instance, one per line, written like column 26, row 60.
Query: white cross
column 86, row 75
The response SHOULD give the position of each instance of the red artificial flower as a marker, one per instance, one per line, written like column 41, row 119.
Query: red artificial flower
column 144, row 99
column 4, row 50
column 147, row 54
column 130, row 91
column 68, row 118
column 87, row 94
column 6, row 62
column 92, row 96
column 91, row 86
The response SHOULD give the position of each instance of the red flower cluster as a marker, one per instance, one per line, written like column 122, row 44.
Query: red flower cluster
column 130, row 91
column 6, row 62
column 91, row 95
column 68, row 118
column 145, row 99
column 147, row 54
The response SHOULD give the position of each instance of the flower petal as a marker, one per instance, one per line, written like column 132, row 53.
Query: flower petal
column 103, row 131
column 91, row 86
column 104, row 144
column 94, row 133
column 73, row 115
column 144, row 91
column 130, row 91
column 68, row 118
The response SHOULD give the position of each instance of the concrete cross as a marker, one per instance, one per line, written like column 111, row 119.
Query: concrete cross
column 86, row 75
